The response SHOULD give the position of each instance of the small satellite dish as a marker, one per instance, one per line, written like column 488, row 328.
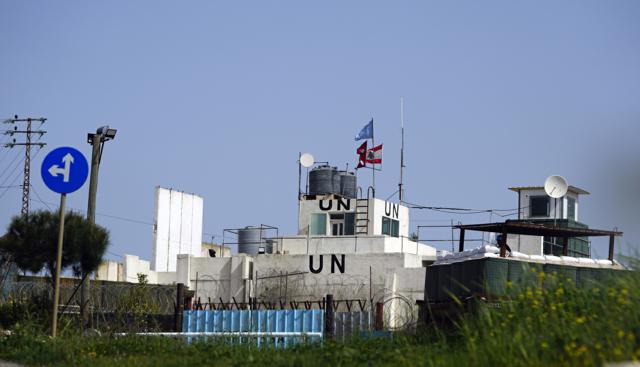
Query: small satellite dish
column 556, row 186
column 307, row 160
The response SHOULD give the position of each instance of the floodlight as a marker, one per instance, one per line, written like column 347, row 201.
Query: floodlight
column 111, row 133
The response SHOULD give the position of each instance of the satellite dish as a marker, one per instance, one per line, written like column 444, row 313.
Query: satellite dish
column 307, row 160
column 556, row 186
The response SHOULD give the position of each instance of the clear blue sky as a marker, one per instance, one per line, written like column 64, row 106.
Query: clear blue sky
column 218, row 99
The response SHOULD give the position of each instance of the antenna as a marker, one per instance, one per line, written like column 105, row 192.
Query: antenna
column 307, row 160
column 401, row 185
column 556, row 187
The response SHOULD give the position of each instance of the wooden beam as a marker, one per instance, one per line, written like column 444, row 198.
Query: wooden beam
column 461, row 245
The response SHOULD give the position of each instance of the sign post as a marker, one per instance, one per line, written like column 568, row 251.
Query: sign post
column 63, row 170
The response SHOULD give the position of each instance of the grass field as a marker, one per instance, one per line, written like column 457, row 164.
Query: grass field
column 551, row 324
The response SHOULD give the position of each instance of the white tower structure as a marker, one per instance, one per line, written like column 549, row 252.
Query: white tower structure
column 177, row 227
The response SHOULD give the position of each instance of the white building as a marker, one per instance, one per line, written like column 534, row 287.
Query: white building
column 355, row 249
column 177, row 227
column 536, row 206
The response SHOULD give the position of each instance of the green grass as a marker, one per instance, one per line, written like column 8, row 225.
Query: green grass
column 553, row 323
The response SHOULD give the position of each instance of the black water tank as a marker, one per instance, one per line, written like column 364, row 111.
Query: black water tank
column 324, row 180
column 348, row 185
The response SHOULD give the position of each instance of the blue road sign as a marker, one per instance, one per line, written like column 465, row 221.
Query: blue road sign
column 64, row 170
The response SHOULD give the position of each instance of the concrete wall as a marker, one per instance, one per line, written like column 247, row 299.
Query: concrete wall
column 558, row 206
column 328, row 206
column 110, row 271
column 301, row 277
column 530, row 245
column 132, row 266
column 177, row 227
column 350, row 244
column 391, row 210
column 377, row 210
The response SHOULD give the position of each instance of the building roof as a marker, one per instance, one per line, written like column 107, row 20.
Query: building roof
column 573, row 189
column 535, row 229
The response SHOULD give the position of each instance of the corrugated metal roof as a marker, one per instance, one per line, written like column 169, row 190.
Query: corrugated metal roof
column 573, row 189
column 535, row 229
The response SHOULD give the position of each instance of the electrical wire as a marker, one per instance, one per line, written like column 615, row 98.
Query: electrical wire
column 130, row 220
column 39, row 198
column 7, row 189
column 3, row 153
column 8, row 169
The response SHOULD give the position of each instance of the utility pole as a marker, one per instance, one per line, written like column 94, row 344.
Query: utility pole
column 96, row 140
column 28, row 133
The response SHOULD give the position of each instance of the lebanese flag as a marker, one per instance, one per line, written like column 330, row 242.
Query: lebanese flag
column 374, row 155
column 362, row 155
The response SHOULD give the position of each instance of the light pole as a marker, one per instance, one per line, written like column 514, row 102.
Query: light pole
column 102, row 134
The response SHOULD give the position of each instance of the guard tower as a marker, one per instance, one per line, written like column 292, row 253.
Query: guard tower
column 534, row 205
column 330, row 207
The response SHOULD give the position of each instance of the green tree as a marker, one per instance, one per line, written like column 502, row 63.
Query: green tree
column 32, row 242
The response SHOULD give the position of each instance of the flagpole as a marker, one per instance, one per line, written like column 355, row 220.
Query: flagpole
column 373, row 171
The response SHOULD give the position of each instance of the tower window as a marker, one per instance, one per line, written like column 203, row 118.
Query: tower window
column 390, row 227
column 539, row 206
column 571, row 208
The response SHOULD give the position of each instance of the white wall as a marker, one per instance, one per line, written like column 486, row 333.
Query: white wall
column 108, row 270
column 377, row 209
column 558, row 206
column 177, row 227
column 132, row 266
column 391, row 210
column 328, row 206
column 350, row 244
column 230, row 277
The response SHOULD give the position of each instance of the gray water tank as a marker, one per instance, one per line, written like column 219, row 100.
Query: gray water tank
column 348, row 184
column 250, row 239
column 324, row 180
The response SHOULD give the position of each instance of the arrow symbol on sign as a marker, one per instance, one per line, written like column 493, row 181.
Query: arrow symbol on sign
column 55, row 170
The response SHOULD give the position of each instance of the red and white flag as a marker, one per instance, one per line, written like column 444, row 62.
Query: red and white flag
column 374, row 155
column 362, row 155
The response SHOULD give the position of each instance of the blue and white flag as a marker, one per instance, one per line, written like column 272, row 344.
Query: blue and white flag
column 366, row 132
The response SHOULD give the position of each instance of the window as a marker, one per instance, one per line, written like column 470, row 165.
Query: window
column 539, row 206
column 390, row 227
column 571, row 208
column 337, row 224
column 349, row 224
column 318, row 224
column 342, row 224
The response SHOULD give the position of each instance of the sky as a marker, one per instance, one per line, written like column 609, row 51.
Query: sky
column 218, row 99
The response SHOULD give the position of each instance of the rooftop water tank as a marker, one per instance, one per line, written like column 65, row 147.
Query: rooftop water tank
column 251, row 239
column 348, row 185
column 324, row 180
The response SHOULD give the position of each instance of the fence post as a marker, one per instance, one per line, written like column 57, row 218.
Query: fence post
column 177, row 317
column 379, row 322
column 328, row 316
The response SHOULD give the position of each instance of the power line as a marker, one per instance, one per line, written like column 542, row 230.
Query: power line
column 12, row 182
column 40, row 199
column 11, row 164
column 451, row 210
